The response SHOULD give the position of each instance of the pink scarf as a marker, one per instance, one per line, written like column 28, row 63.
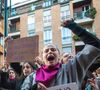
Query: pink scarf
column 46, row 74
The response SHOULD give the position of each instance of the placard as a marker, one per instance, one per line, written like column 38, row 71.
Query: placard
column 70, row 86
column 22, row 49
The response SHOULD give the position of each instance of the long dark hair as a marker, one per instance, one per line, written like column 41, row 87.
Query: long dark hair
column 22, row 74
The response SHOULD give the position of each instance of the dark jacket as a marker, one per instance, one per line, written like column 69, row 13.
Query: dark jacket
column 20, row 82
column 6, row 83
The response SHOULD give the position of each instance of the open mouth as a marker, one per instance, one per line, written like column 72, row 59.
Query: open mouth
column 50, row 57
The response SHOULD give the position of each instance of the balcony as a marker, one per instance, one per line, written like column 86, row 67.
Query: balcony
column 14, row 25
column 13, row 30
column 77, row 3
column 80, row 17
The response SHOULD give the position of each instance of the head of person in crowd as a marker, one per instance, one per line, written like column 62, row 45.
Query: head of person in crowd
column 98, row 72
column 97, row 80
column 12, row 74
column 50, row 55
column 7, row 39
column 94, row 74
column 27, row 68
column 6, row 66
column 66, row 57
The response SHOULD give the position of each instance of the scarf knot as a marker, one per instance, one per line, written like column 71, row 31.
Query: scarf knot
column 46, row 74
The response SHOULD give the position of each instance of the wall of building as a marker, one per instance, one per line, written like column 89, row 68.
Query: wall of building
column 56, row 32
column 39, row 26
column 96, row 24
column 1, row 26
column 23, row 25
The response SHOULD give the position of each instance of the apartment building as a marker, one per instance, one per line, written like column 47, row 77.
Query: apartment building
column 43, row 18
column 1, row 35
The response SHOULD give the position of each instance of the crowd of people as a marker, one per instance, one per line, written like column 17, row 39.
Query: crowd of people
column 11, row 80
column 52, row 69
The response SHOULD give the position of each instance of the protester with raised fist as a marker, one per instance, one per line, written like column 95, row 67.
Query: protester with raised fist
column 53, row 73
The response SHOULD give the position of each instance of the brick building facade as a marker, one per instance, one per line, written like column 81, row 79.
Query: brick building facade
column 43, row 18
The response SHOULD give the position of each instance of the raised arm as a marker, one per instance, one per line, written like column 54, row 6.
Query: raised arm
column 89, row 57
column 84, row 35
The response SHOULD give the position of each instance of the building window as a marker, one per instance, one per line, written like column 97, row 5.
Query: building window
column 47, row 3
column 55, row 1
column 66, row 40
column 13, row 12
column 61, row 1
column 12, row 28
column 47, row 18
column 14, row 25
column 31, row 25
column 1, row 41
column 66, row 36
column 33, row 7
column 67, row 49
column 80, row 13
column 65, row 12
column 47, row 35
column 85, row 8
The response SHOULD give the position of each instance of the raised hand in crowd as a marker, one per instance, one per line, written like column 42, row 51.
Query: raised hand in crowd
column 65, row 58
column 38, row 61
column 40, row 86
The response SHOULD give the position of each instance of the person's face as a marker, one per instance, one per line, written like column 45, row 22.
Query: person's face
column 27, row 69
column 12, row 74
column 50, row 55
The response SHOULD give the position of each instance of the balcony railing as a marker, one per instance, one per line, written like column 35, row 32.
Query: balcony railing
column 13, row 30
column 80, row 15
column 33, row 6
